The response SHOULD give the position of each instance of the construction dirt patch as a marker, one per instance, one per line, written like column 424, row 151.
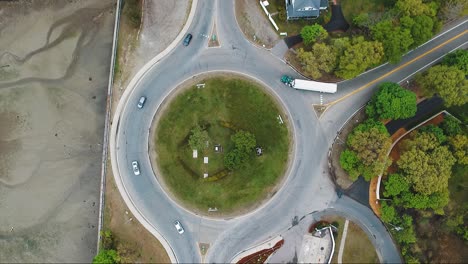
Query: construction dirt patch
column 54, row 59
column 254, row 23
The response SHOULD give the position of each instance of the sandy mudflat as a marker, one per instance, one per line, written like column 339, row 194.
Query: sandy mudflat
column 54, row 62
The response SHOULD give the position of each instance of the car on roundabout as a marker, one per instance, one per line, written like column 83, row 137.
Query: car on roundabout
column 135, row 167
column 179, row 227
column 141, row 102
column 187, row 39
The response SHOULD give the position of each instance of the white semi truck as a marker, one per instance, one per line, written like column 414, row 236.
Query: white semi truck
column 309, row 85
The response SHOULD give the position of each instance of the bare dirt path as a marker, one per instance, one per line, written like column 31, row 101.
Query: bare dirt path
column 54, row 63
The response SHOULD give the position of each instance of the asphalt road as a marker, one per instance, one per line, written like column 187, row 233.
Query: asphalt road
column 307, row 188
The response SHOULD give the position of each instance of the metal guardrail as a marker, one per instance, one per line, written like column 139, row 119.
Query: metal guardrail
column 107, row 121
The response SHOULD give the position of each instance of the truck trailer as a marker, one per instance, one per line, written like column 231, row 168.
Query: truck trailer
column 309, row 85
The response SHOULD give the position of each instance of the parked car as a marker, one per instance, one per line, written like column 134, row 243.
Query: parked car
column 141, row 102
column 187, row 39
column 136, row 170
column 179, row 227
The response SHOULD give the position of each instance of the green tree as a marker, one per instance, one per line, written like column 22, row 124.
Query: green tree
column 322, row 58
column 388, row 213
column 428, row 172
column 359, row 56
column 459, row 144
column 234, row 159
column 392, row 101
column 369, row 142
column 107, row 256
column 422, row 141
column 244, row 141
column 395, row 184
column 436, row 131
column 412, row 7
column 422, row 29
column 447, row 81
column 406, row 234
column 198, row 138
column 350, row 163
column 312, row 33
column 396, row 40
column 458, row 59
column 451, row 126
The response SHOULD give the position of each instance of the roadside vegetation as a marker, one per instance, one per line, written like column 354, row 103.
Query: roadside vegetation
column 381, row 31
column 424, row 190
column 358, row 247
column 367, row 146
column 124, row 239
column 206, row 142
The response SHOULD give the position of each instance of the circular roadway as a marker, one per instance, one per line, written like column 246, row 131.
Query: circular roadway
column 307, row 189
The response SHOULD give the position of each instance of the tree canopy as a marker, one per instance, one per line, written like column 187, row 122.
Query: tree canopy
column 421, row 31
column 392, row 101
column 244, row 142
column 359, row 55
column 451, row 126
column 458, row 59
column 436, row 131
column 312, row 33
column 447, row 81
column 198, row 138
column 322, row 58
column 427, row 168
column 412, row 7
column 395, row 184
column 459, row 144
column 396, row 40
column 367, row 148
column 107, row 257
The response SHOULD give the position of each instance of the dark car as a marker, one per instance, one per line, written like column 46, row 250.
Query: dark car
column 187, row 39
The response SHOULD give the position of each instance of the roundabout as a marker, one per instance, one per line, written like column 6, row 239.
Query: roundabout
column 194, row 144
column 306, row 189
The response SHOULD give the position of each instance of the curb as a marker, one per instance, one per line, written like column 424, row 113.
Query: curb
column 115, row 123
column 251, row 250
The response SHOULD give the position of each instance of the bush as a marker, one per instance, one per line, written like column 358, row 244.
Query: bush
column 107, row 256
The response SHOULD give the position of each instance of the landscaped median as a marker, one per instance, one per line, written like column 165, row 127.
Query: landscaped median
column 259, row 253
column 220, row 146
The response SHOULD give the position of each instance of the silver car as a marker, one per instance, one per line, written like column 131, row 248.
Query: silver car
column 136, row 170
column 141, row 102
column 179, row 227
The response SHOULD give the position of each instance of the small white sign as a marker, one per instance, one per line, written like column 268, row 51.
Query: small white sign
column 205, row 175
column 195, row 154
column 205, row 160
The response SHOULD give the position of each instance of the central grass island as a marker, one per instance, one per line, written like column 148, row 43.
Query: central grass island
column 221, row 147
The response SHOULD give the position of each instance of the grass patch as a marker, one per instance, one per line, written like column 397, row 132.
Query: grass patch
column 358, row 248
column 352, row 8
column 340, row 220
column 132, row 11
column 222, row 107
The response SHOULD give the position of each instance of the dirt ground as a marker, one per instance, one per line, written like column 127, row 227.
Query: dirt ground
column 252, row 21
column 161, row 24
column 54, row 61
